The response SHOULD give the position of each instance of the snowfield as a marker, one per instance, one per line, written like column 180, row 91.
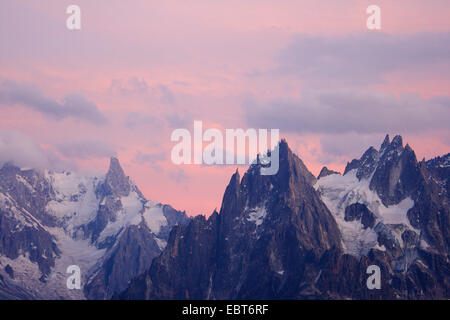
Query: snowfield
column 338, row 192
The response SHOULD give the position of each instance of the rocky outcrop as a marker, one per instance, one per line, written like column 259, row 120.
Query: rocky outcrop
column 326, row 172
column 359, row 211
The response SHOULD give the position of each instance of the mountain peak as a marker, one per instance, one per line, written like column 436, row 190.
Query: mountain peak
column 397, row 141
column 326, row 172
column 385, row 143
column 116, row 180
column 114, row 164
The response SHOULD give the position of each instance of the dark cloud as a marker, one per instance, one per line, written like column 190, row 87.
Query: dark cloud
column 131, row 86
column 349, row 145
column 364, row 57
column 30, row 96
column 179, row 176
column 86, row 149
column 135, row 86
column 136, row 119
column 167, row 95
column 175, row 120
column 350, row 111
column 149, row 157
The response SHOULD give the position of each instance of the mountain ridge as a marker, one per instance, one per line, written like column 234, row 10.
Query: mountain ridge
column 372, row 212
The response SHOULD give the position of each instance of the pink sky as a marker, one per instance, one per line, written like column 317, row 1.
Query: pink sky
column 152, row 66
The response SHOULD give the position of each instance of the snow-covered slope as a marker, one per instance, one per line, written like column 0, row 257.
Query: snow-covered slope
column 338, row 192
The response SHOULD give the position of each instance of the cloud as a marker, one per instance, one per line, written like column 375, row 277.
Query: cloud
column 135, row 120
column 87, row 149
column 178, row 175
column 135, row 86
column 364, row 57
column 166, row 95
column 131, row 86
column 176, row 120
column 20, row 150
column 348, row 146
column 149, row 157
column 30, row 96
column 350, row 111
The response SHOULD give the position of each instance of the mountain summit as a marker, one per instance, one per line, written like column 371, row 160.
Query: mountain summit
column 267, row 241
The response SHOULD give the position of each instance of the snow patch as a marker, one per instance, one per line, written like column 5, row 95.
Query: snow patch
column 338, row 192
column 257, row 215
column 161, row 243
column 154, row 217
column 75, row 201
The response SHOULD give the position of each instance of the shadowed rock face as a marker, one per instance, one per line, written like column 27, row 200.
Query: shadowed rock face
column 132, row 255
column 358, row 211
column 266, row 242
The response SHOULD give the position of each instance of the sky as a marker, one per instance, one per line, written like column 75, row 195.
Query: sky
column 137, row 70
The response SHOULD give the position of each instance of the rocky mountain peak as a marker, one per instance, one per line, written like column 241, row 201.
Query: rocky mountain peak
column 396, row 172
column 116, row 182
column 367, row 163
column 385, row 143
column 396, row 145
column 269, row 226
column 293, row 166
column 397, row 141
column 231, row 196
column 393, row 171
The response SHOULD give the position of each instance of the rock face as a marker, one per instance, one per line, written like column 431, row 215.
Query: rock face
column 290, row 236
column 51, row 220
column 358, row 211
column 23, row 196
column 266, row 242
column 131, row 255
column 406, row 227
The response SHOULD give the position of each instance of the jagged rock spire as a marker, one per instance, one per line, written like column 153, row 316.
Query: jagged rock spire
column 385, row 143
column 116, row 181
